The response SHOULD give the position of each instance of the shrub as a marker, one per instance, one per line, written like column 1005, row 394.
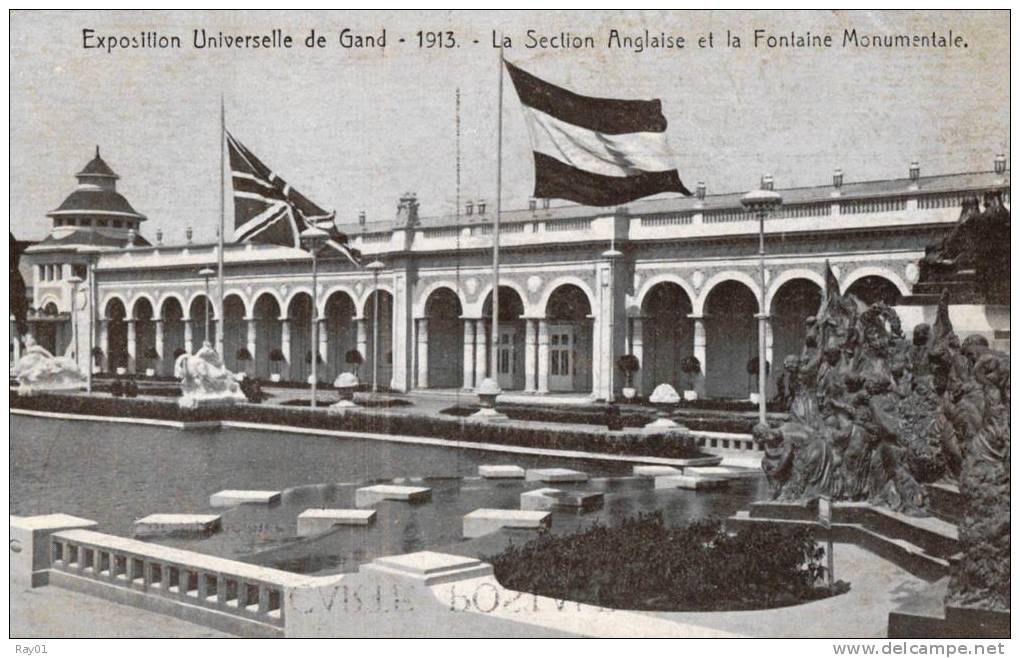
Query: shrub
column 179, row 352
column 697, row 566
column 276, row 355
column 752, row 366
column 353, row 357
column 243, row 354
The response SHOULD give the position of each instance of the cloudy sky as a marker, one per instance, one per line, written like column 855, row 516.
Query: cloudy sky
column 355, row 129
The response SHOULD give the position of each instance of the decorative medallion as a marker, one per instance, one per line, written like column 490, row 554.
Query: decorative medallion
column 534, row 283
column 698, row 278
column 358, row 287
column 911, row 272
column 471, row 285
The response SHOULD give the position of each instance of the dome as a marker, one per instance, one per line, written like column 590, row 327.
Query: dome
column 96, row 195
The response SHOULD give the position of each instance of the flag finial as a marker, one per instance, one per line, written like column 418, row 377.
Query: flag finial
column 97, row 151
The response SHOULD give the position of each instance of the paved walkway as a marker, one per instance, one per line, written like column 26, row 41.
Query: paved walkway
column 54, row 612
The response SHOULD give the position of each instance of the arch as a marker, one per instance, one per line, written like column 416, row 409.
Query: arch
column 444, row 347
column 194, row 298
column 384, row 373
column 722, row 277
column 653, row 281
column 272, row 292
column 877, row 272
column 299, row 314
column 270, row 357
column 789, row 275
column 667, row 335
column 793, row 302
column 292, row 295
column 731, row 339
column 147, row 354
column 419, row 306
column 167, row 297
column 235, row 332
column 568, row 310
column 49, row 299
column 142, row 297
column 339, row 310
column 198, row 307
column 172, row 314
column 559, row 282
column 367, row 294
column 115, row 313
column 114, row 302
column 326, row 293
column 236, row 292
column 478, row 307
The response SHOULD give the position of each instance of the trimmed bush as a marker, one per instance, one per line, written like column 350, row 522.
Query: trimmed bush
column 697, row 566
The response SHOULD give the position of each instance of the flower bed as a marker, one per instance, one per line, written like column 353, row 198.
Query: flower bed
column 592, row 439
column 629, row 416
column 692, row 567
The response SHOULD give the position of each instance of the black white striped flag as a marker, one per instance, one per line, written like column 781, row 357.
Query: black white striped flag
column 268, row 210
column 595, row 151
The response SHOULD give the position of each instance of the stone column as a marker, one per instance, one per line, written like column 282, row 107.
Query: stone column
column 362, row 345
column 530, row 355
column 285, row 347
column 423, row 352
column 637, row 348
column 158, row 323
column 469, row 354
column 766, row 324
column 543, row 356
column 699, row 352
column 481, row 352
column 251, row 341
column 132, row 345
column 189, row 336
column 323, row 350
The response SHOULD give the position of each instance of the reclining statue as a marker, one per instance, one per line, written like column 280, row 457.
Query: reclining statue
column 205, row 380
column 37, row 370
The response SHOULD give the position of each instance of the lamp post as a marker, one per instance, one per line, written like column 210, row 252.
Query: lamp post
column 207, row 273
column 75, row 281
column 374, row 267
column 92, row 254
column 312, row 239
column 761, row 202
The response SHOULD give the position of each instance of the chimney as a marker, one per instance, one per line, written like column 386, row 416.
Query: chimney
column 915, row 170
column 159, row 236
column 1000, row 164
column 837, row 178
column 545, row 204
column 361, row 218
column 699, row 191
column 766, row 182
column 532, row 204
column 481, row 206
column 408, row 209
column 188, row 233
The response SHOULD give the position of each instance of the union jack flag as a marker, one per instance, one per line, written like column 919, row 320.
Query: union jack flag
column 268, row 210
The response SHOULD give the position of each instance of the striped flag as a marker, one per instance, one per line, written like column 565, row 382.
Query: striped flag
column 268, row 210
column 595, row 151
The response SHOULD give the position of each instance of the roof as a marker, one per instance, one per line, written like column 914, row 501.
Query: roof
column 85, row 237
column 944, row 183
column 97, row 167
column 93, row 200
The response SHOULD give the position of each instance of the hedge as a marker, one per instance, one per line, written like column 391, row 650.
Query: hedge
column 592, row 440
column 644, row 565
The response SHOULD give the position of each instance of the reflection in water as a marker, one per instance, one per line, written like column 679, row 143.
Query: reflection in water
column 117, row 474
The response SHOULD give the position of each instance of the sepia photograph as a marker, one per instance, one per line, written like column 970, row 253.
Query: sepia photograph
column 510, row 324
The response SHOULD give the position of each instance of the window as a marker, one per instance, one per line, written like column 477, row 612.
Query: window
column 101, row 222
column 79, row 271
column 116, row 223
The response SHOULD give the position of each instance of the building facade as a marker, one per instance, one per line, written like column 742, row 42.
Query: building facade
column 661, row 279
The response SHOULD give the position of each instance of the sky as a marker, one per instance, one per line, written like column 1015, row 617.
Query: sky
column 354, row 129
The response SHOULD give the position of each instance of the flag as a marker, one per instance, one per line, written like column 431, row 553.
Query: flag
column 268, row 210
column 595, row 151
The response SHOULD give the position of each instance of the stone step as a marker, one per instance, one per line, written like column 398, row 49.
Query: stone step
column 232, row 497
column 501, row 471
column 548, row 499
column 164, row 525
column 693, row 482
column 366, row 496
column 316, row 521
column 483, row 521
column 555, row 475
column 727, row 472
column 650, row 471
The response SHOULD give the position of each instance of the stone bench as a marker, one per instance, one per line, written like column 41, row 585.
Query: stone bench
column 554, row 475
column 316, row 520
column 156, row 525
column 366, row 496
column 692, row 482
column 501, row 472
column 548, row 499
column 231, row 497
column 650, row 471
column 484, row 521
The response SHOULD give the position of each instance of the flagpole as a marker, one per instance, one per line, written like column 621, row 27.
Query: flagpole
column 494, row 338
column 223, row 221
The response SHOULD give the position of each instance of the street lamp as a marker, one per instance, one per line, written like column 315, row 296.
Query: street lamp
column 207, row 273
column 75, row 281
column 761, row 202
column 374, row 267
column 93, row 254
column 312, row 239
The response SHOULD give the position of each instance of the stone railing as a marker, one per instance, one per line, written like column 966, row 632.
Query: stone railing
column 224, row 588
